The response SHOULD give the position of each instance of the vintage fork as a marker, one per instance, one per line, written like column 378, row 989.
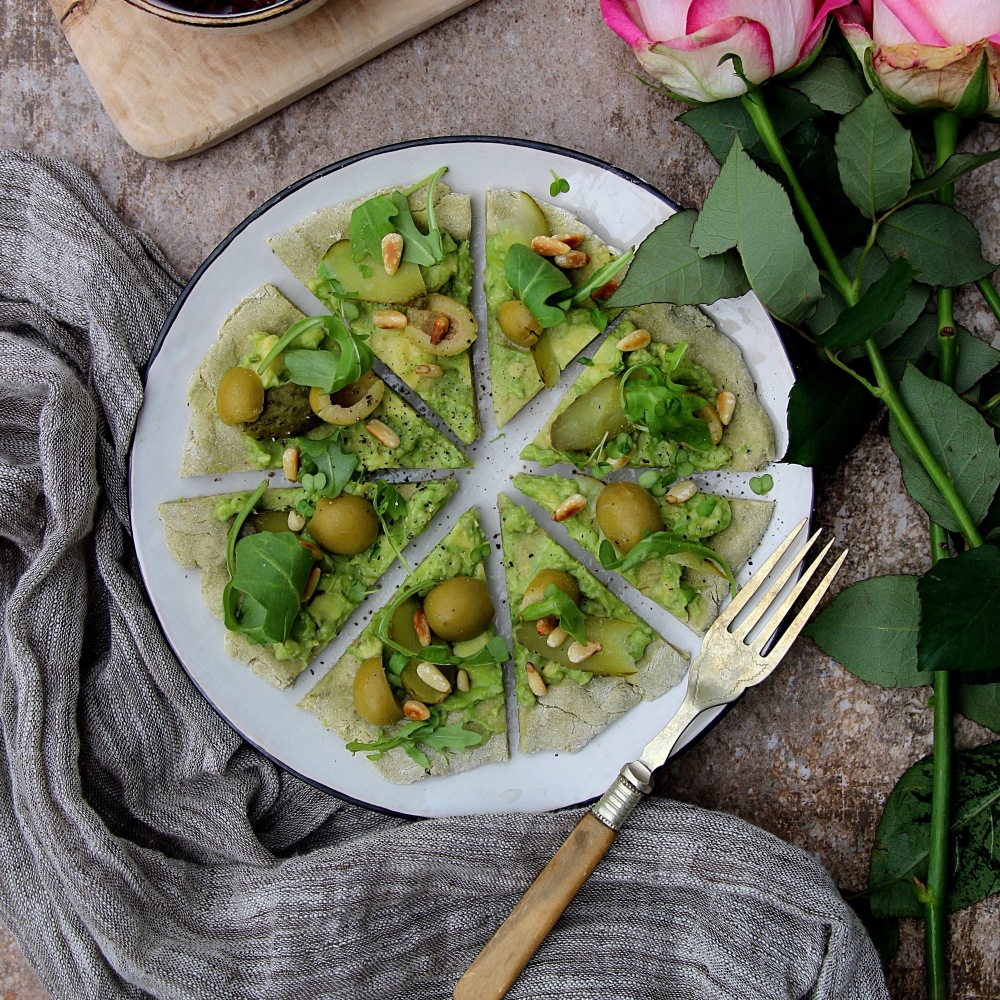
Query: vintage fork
column 729, row 662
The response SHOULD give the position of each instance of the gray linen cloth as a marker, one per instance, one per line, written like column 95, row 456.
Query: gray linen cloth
column 147, row 850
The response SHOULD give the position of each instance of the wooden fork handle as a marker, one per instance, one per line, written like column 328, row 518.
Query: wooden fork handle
column 496, row 967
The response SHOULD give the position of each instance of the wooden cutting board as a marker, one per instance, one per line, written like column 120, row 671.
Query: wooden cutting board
column 172, row 91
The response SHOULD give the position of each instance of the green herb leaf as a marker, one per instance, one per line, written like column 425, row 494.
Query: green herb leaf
column 873, row 311
column 559, row 184
column 654, row 402
column 762, row 484
column 749, row 210
column 958, row 612
column 324, row 458
column 959, row 438
column 668, row 269
column 831, row 84
column 903, row 837
column 661, row 543
column 536, row 282
column 370, row 222
column 942, row 245
column 558, row 602
column 417, row 248
column 871, row 629
column 388, row 502
column 874, row 156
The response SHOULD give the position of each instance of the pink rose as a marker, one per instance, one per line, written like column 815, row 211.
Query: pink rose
column 680, row 42
column 925, row 53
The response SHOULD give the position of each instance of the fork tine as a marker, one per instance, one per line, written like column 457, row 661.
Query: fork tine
column 765, row 604
column 753, row 584
column 790, row 634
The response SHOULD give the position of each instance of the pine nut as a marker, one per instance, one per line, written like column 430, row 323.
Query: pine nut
column 556, row 637
column 535, row 681
column 296, row 522
column 548, row 247
column 681, row 492
column 382, row 433
column 578, row 652
column 440, row 328
column 606, row 290
column 392, row 252
column 634, row 341
column 312, row 582
column 570, row 506
column 433, row 677
column 544, row 626
column 315, row 550
column 571, row 261
column 462, row 680
column 421, row 627
column 711, row 417
column 416, row 710
column 619, row 463
column 725, row 405
column 572, row 240
column 290, row 464
column 429, row 371
column 389, row 319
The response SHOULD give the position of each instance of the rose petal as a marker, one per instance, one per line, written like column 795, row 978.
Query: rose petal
column 787, row 22
column 621, row 17
column 935, row 76
column 664, row 21
column 935, row 22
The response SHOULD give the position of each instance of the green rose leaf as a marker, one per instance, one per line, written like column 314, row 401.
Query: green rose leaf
column 915, row 347
column 828, row 412
column 957, row 165
column 902, row 840
column 874, row 156
column 749, row 210
column 668, row 269
column 831, row 84
column 871, row 630
column 876, row 308
column 976, row 359
column 979, row 702
column 958, row 437
column 942, row 244
column 958, row 613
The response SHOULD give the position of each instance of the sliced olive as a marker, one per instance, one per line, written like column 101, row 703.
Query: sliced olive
column 625, row 511
column 352, row 403
column 518, row 323
column 459, row 608
column 373, row 284
column 271, row 520
column 286, row 413
column 585, row 422
column 611, row 660
column 546, row 363
column 517, row 218
column 417, row 688
column 239, row 398
column 344, row 525
column 374, row 699
column 566, row 582
column 441, row 325
column 401, row 629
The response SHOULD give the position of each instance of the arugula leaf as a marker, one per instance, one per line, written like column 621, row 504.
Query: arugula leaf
column 431, row 733
column 389, row 506
column 558, row 602
column 417, row 248
column 536, row 282
column 328, row 465
column 370, row 221
column 662, row 543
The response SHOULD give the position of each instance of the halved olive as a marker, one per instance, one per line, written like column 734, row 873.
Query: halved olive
column 418, row 688
column 585, row 422
column 546, row 362
column 374, row 699
column 518, row 323
column 611, row 660
column 441, row 325
column 373, row 284
column 625, row 511
column 459, row 608
column 239, row 398
column 566, row 582
column 352, row 403
column 344, row 525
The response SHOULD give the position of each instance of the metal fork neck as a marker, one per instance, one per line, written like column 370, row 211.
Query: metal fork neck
column 633, row 783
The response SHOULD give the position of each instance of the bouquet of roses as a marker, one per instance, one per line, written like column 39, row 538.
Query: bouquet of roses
column 837, row 137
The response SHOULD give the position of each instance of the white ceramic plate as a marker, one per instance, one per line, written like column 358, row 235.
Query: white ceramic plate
column 622, row 210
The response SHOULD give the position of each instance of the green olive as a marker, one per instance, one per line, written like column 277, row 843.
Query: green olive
column 583, row 425
column 518, row 323
column 556, row 577
column 239, row 398
column 374, row 699
column 459, row 608
column 351, row 404
column 418, row 688
column 344, row 525
column 459, row 331
column 625, row 511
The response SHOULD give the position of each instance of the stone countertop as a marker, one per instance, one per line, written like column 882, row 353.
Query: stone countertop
column 812, row 753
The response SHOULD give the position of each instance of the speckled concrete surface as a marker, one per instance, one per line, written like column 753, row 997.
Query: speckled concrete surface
column 810, row 755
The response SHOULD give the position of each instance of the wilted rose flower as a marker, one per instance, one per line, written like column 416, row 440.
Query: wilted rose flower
column 927, row 53
column 680, row 42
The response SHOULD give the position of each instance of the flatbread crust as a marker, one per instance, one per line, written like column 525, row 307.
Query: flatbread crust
column 514, row 377
column 332, row 699
column 196, row 538
column 569, row 715
column 734, row 544
column 212, row 447
column 749, row 436
column 301, row 249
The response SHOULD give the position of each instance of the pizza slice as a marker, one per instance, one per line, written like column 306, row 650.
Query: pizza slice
column 696, row 535
column 285, row 571
column 582, row 657
column 245, row 414
column 545, row 274
column 420, row 691
column 665, row 390
column 397, row 265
